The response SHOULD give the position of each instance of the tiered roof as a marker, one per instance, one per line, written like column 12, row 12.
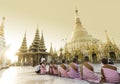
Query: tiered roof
column 23, row 47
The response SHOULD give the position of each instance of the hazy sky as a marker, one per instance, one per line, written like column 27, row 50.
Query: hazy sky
column 57, row 19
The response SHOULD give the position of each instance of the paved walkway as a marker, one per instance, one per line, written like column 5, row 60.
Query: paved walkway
column 3, row 67
column 26, row 75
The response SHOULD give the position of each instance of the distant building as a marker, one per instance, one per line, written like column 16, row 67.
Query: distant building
column 52, row 53
column 110, row 49
column 33, row 54
column 2, row 43
column 82, row 44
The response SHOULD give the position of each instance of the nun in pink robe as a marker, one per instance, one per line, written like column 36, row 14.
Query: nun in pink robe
column 43, row 68
column 111, row 76
column 55, row 69
column 50, row 72
column 87, row 72
column 74, row 70
column 62, row 70
column 90, row 75
column 109, row 73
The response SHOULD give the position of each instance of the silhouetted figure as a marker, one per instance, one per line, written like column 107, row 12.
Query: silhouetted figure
column 110, row 61
column 37, row 68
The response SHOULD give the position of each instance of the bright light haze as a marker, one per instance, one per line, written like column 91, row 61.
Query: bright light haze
column 57, row 19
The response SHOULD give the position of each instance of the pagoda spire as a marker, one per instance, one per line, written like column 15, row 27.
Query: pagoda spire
column 113, row 41
column 51, row 50
column 107, row 37
column 79, row 30
column 55, row 50
column 77, row 17
column 36, row 42
column 66, row 49
column 42, row 38
column 3, row 19
column 2, row 27
column 37, row 37
column 76, row 11
column 23, row 47
column 55, row 53
column 37, row 34
column 42, row 44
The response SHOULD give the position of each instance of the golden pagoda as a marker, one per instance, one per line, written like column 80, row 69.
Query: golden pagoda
column 35, row 53
column 2, row 42
column 110, row 49
column 53, row 54
column 81, row 43
column 22, row 51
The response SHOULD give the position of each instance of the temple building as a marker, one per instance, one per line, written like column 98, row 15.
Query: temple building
column 2, row 42
column 33, row 54
column 82, row 44
column 110, row 49
column 53, row 53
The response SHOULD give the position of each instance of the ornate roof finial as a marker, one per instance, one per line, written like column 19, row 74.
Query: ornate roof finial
column 2, row 27
column 3, row 19
column 37, row 25
column 37, row 30
column 51, row 44
column 42, row 38
column 42, row 32
column 107, row 37
column 113, row 41
column 51, row 50
column 42, row 44
column 77, row 17
column 25, row 34
column 76, row 11
column 23, row 47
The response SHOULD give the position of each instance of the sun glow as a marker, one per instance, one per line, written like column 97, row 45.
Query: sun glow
column 8, row 79
column 10, row 54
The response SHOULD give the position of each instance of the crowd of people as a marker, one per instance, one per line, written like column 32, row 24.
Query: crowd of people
column 84, row 71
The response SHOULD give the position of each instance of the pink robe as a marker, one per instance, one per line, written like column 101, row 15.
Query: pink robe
column 90, row 75
column 63, row 71
column 73, row 73
column 55, row 71
column 111, row 76
column 43, row 69
column 50, row 69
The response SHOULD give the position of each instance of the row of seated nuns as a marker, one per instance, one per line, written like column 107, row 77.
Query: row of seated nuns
column 85, row 71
